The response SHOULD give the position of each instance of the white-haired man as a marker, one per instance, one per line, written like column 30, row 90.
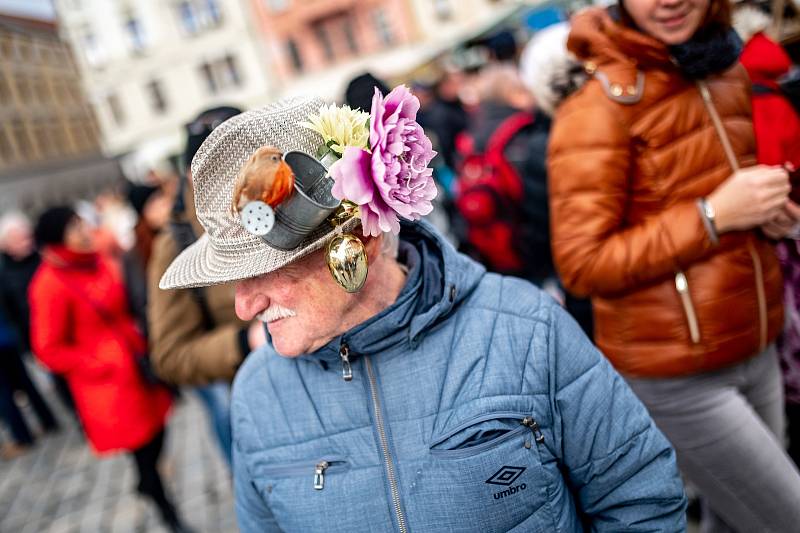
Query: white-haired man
column 436, row 397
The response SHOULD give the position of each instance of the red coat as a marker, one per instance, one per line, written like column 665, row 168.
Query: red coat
column 118, row 409
column 776, row 124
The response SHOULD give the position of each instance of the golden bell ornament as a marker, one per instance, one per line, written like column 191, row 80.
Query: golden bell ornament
column 347, row 262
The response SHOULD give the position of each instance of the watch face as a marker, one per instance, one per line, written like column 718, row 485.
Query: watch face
column 257, row 218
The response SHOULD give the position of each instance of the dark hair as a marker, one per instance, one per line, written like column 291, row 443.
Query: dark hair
column 52, row 225
column 138, row 195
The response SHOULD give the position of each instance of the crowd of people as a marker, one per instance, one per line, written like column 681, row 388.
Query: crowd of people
column 599, row 313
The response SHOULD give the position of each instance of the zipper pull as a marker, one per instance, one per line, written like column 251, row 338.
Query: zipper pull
column 344, row 354
column 528, row 421
column 319, row 475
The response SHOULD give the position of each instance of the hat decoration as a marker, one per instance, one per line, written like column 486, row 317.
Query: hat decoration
column 373, row 167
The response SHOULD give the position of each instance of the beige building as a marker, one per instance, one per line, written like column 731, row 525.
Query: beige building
column 45, row 115
column 317, row 46
column 49, row 147
column 150, row 66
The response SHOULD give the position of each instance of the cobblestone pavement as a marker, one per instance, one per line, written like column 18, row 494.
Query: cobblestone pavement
column 61, row 487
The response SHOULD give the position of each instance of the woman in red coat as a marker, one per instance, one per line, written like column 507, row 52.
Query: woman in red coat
column 81, row 328
column 775, row 121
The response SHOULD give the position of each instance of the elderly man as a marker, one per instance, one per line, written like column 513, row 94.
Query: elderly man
column 429, row 396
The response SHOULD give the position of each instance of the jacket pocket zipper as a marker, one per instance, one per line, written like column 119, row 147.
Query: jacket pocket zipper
column 682, row 285
column 527, row 423
column 307, row 468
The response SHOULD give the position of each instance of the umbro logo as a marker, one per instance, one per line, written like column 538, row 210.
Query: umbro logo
column 506, row 476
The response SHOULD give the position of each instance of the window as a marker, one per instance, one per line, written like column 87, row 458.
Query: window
column 443, row 9
column 5, row 89
column 221, row 74
column 324, row 41
column 115, row 108
column 92, row 52
column 277, row 5
column 6, row 148
column 231, row 76
column 349, row 35
column 208, row 76
column 188, row 18
column 294, row 55
column 136, row 39
column 383, row 27
column 213, row 13
column 24, row 145
column 156, row 94
column 198, row 15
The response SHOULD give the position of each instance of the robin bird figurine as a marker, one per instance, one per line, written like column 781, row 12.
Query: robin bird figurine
column 265, row 177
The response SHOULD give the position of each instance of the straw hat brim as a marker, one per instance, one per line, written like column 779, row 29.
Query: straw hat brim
column 199, row 265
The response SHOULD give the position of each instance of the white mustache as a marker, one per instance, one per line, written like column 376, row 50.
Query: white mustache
column 275, row 312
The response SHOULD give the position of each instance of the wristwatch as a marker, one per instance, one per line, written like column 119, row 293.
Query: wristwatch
column 709, row 218
column 708, row 211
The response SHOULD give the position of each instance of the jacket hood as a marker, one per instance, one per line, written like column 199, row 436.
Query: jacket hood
column 748, row 21
column 439, row 279
column 549, row 70
column 597, row 36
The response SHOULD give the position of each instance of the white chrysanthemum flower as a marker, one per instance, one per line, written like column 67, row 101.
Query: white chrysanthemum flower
column 340, row 127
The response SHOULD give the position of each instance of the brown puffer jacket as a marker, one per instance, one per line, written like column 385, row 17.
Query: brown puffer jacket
column 630, row 154
column 182, row 350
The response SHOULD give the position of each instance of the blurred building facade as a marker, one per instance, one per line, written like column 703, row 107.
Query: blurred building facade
column 317, row 46
column 49, row 143
column 150, row 66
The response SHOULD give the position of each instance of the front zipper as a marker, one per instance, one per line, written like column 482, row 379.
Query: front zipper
column 387, row 456
column 344, row 355
column 682, row 285
column 757, row 266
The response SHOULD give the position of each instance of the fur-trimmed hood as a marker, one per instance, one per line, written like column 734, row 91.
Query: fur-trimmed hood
column 748, row 21
column 549, row 70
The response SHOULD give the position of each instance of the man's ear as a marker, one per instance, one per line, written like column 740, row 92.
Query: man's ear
column 372, row 245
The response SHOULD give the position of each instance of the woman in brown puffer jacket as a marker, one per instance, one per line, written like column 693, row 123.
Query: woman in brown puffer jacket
column 659, row 214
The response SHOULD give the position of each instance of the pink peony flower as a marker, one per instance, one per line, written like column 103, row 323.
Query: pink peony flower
column 393, row 178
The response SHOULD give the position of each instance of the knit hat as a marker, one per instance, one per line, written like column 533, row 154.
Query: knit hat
column 361, row 89
column 52, row 224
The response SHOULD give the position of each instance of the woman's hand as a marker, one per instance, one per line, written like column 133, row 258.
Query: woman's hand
column 751, row 197
column 783, row 223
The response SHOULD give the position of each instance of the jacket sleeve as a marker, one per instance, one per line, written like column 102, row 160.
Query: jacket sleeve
column 51, row 338
column 181, row 349
column 620, row 467
column 595, row 251
column 253, row 515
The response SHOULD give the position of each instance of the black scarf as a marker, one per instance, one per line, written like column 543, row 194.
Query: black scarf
column 710, row 51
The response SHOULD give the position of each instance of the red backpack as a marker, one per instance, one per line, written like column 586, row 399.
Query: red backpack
column 488, row 195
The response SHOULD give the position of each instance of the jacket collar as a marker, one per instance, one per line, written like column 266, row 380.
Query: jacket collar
column 597, row 37
column 438, row 279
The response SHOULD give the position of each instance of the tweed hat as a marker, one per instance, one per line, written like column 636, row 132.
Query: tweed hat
column 227, row 252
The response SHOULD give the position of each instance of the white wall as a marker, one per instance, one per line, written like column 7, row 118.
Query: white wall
column 170, row 56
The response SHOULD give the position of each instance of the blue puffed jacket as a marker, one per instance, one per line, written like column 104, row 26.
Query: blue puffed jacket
column 473, row 403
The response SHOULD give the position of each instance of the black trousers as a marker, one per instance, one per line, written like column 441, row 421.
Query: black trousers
column 150, row 484
column 793, row 420
column 14, row 377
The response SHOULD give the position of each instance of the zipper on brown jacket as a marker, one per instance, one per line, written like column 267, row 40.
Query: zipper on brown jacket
column 757, row 266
